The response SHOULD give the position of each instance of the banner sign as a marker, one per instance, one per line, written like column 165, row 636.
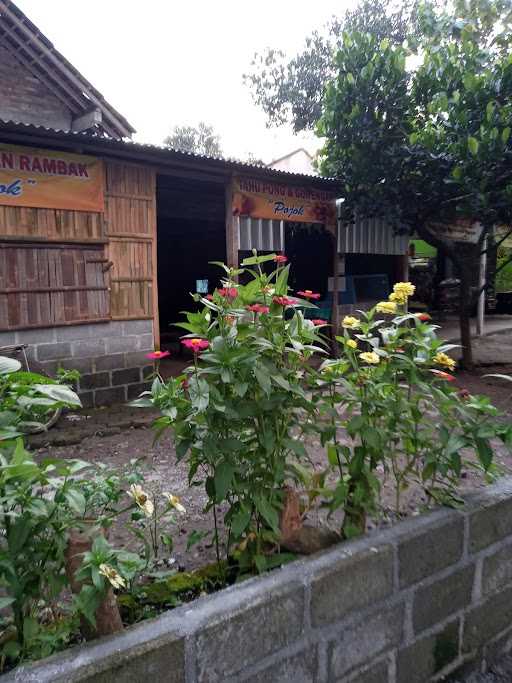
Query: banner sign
column 257, row 198
column 50, row 180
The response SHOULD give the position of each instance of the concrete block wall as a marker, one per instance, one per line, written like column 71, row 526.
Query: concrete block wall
column 111, row 357
column 429, row 600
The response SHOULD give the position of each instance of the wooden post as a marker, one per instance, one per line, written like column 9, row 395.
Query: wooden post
column 232, row 236
column 481, row 297
column 154, row 274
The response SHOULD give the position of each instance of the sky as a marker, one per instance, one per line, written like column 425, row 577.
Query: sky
column 163, row 63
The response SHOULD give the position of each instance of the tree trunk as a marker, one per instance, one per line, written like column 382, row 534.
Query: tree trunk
column 108, row 618
column 465, row 304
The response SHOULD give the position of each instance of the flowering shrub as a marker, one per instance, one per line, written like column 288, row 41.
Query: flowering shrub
column 239, row 411
column 392, row 394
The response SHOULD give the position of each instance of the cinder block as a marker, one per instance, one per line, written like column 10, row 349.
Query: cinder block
column 497, row 570
column 135, row 390
column 487, row 620
column 73, row 332
column 438, row 600
column 122, row 344
column 108, row 397
column 359, row 643
column 7, row 338
column 492, row 522
column 245, row 634
column 83, row 365
column 301, row 667
column 127, row 376
column 136, row 359
column 138, row 327
column 87, row 398
column 55, row 351
column 97, row 380
column 423, row 554
column 112, row 362
column 146, row 342
column 89, row 348
column 115, row 328
column 43, row 336
column 353, row 582
column 148, row 372
column 427, row 656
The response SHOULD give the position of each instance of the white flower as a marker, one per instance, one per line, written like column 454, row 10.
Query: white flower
column 142, row 499
column 114, row 577
column 174, row 502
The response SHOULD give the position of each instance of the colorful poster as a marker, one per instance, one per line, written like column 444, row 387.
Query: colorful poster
column 269, row 199
column 50, row 180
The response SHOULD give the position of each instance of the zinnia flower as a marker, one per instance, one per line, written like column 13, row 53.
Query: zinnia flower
column 308, row 294
column 230, row 319
column 424, row 317
column 142, row 499
column 228, row 292
column 351, row 343
column 283, row 301
column 405, row 288
column 444, row 375
column 195, row 345
column 444, row 360
column 209, row 297
column 369, row 357
column 350, row 323
column 386, row 307
column 280, row 258
column 157, row 355
column 113, row 577
column 174, row 502
column 258, row 308
column 319, row 321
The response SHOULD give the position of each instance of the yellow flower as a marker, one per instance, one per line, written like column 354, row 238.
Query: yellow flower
column 142, row 499
column 113, row 577
column 369, row 357
column 350, row 323
column 444, row 360
column 398, row 297
column 351, row 343
column 386, row 307
column 174, row 502
column 405, row 288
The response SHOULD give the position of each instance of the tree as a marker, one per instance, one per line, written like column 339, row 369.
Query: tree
column 291, row 91
column 200, row 140
column 429, row 147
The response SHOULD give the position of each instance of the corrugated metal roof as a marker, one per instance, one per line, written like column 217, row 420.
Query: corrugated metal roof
column 24, row 133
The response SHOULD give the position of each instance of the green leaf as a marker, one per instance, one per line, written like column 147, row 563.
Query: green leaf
column 76, row 501
column 473, row 145
column 5, row 602
column 8, row 365
column 263, row 378
column 269, row 514
column 254, row 260
column 223, row 478
column 505, row 134
column 485, row 453
column 194, row 537
column 240, row 522
column 60, row 393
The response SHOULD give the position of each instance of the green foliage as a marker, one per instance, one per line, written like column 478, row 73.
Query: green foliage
column 199, row 140
column 239, row 412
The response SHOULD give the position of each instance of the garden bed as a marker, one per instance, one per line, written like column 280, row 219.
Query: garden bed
column 430, row 596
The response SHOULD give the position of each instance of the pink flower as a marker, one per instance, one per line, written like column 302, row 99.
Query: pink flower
column 157, row 355
column 280, row 258
column 444, row 375
column 319, row 321
column 308, row 294
column 424, row 317
column 228, row 292
column 195, row 345
column 184, row 383
column 283, row 301
column 258, row 308
column 209, row 297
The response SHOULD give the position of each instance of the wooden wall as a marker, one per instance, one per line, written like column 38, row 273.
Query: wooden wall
column 54, row 264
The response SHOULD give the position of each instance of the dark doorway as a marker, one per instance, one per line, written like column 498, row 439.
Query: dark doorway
column 310, row 250
column 190, row 234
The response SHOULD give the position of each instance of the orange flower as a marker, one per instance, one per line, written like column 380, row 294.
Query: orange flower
column 424, row 317
column 443, row 375
column 319, row 321
column 280, row 258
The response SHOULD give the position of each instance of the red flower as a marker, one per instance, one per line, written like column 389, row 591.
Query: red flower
column 424, row 317
column 283, row 301
column 319, row 321
column 400, row 351
column 444, row 375
column 209, row 297
column 195, row 345
column 308, row 294
column 184, row 383
column 228, row 292
column 157, row 355
column 280, row 258
column 258, row 308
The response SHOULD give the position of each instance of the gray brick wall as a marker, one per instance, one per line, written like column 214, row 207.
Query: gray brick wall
column 111, row 357
column 24, row 98
column 429, row 600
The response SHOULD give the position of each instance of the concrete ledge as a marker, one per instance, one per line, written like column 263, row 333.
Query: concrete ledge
column 417, row 602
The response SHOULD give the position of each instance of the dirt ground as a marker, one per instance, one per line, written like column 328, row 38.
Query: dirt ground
column 118, row 435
